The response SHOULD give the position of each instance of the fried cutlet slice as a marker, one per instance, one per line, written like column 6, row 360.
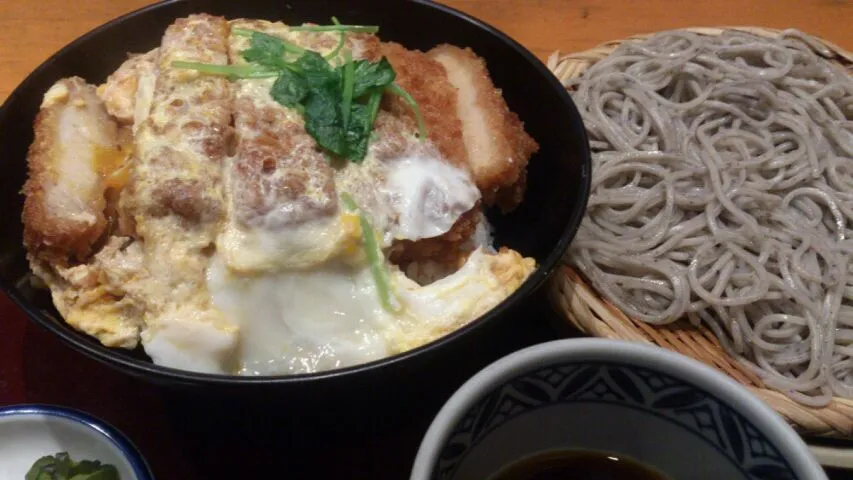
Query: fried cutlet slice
column 445, row 249
column 175, row 197
column 426, row 80
column 181, row 143
column 279, row 176
column 281, row 194
column 76, row 149
column 497, row 145
column 127, row 91
column 364, row 46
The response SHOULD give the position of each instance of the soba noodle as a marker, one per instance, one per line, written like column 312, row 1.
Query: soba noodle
column 722, row 192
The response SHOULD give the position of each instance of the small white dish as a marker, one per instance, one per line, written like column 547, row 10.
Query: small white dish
column 663, row 409
column 29, row 432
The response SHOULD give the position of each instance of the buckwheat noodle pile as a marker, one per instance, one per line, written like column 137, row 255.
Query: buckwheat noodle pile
column 723, row 193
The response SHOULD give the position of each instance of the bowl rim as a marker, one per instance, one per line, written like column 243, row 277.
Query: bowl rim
column 101, row 428
column 576, row 350
column 148, row 369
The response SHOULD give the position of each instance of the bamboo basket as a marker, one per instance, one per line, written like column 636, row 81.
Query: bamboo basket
column 574, row 298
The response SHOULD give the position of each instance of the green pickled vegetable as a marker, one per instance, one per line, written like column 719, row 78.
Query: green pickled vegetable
column 62, row 467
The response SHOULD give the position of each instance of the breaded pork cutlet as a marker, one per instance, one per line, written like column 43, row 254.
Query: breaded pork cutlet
column 175, row 191
column 427, row 82
column 181, row 144
column 76, row 148
column 497, row 145
column 73, row 162
column 279, row 175
column 282, row 196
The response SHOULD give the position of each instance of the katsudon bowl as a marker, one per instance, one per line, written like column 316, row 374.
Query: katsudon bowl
column 541, row 227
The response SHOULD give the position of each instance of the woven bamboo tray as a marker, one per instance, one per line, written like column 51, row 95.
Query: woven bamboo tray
column 574, row 297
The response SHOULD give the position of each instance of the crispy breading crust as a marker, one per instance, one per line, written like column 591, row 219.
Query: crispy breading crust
column 49, row 233
column 426, row 81
column 507, row 198
column 445, row 249
column 500, row 175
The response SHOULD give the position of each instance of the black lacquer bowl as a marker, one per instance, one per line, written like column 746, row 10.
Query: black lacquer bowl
column 559, row 176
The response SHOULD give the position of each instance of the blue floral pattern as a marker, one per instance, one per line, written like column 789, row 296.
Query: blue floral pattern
column 679, row 402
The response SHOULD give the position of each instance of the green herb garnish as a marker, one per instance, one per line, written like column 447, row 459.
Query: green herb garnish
column 289, row 88
column 398, row 90
column 236, row 71
column 324, row 121
column 375, row 257
column 373, row 105
column 336, row 28
column 62, row 467
column 339, row 103
column 269, row 51
column 372, row 75
column 348, row 80
column 342, row 38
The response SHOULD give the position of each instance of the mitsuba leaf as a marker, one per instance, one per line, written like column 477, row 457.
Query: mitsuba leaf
column 323, row 120
column 289, row 88
column 265, row 50
column 373, row 103
column 372, row 75
column 358, row 132
column 317, row 72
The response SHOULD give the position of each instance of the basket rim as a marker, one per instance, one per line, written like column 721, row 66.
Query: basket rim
column 830, row 49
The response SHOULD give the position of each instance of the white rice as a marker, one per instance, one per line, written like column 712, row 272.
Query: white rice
column 483, row 237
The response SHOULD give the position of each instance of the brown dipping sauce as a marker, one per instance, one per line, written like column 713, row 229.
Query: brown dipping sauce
column 577, row 464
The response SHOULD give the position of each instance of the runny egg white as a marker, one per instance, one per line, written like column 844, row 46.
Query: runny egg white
column 427, row 195
column 302, row 321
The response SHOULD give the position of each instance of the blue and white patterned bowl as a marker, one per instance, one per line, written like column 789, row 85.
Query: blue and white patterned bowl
column 29, row 432
column 658, row 407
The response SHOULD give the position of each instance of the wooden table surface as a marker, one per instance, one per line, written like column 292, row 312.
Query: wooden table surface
column 35, row 367
column 32, row 31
